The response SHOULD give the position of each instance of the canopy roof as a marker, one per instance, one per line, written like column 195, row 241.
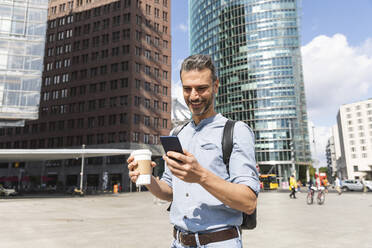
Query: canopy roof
column 19, row 155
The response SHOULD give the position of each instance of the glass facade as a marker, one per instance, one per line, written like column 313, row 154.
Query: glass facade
column 22, row 39
column 256, row 47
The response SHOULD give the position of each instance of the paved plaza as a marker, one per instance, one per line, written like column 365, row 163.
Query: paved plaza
column 137, row 220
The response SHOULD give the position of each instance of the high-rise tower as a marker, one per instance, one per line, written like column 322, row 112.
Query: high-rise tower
column 22, row 38
column 256, row 48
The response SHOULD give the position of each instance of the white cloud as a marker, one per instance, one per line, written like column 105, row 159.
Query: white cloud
column 182, row 27
column 335, row 73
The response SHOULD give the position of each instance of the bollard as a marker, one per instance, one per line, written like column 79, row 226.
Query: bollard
column 115, row 188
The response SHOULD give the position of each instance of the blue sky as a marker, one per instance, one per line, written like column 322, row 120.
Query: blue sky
column 336, row 38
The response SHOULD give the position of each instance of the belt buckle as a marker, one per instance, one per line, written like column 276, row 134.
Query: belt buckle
column 180, row 238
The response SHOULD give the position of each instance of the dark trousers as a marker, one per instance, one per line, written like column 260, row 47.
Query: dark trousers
column 293, row 193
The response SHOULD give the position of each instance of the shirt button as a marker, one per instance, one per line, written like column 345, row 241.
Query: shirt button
column 187, row 194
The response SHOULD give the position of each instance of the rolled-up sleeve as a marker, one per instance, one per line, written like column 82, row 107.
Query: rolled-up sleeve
column 167, row 175
column 242, row 161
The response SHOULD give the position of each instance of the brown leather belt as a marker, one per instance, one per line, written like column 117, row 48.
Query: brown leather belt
column 188, row 239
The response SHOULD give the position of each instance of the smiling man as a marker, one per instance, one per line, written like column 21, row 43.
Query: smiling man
column 207, row 200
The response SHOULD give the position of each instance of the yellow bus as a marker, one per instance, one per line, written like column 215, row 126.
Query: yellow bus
column 269, row 181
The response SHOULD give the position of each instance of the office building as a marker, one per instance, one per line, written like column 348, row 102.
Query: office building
column 22, row 39
column 106, row 84
column 336, row 166
column 354, row 123
column 256, row 47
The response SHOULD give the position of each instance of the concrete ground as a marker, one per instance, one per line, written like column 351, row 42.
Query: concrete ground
column 138, row 220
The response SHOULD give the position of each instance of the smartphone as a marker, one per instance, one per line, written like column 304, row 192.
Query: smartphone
column 171, row 143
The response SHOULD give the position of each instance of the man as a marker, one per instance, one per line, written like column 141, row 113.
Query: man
column 207, row 200
column 338, row 185
column 292, row 187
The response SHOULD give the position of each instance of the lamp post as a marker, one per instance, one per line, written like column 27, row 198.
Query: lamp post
column 82, row 170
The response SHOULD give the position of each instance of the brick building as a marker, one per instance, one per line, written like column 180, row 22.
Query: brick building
column 106, row 84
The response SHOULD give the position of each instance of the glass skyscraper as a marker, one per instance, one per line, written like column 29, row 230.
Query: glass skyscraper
column 255, row 45
column 22, row 39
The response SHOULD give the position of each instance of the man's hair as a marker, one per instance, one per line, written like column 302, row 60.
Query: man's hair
column 199, row 62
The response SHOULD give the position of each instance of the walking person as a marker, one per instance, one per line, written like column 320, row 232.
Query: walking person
column 292, row 187
column 338, row 185
column 207, row 197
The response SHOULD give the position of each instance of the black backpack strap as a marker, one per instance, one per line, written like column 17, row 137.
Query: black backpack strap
column 227, row 142
column 179, row 128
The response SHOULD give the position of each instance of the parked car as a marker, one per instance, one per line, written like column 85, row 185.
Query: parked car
column 352, row 185
column 7, row 192
column 368, row 185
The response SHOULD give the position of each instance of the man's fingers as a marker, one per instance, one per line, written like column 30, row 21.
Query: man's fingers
column 177, row 172
column 132, row 165
column 153, row 164
column 133, row 175
column 130, row 159
column 178, row 156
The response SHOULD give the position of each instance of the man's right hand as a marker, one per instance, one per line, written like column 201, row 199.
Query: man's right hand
column 132, row 166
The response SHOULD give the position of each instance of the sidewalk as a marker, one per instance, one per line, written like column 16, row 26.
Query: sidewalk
column 134, row 220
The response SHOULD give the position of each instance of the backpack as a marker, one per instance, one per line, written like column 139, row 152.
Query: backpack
column 249, row 220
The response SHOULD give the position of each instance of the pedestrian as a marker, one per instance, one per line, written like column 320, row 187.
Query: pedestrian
column 364, row 185
column 299, row 184
column 292, row 187
column 207, row 197
column 338, row 185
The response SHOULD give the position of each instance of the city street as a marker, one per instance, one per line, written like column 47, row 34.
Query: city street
column 138, row 220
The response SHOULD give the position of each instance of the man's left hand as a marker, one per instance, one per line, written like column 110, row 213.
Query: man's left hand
column 186, row 168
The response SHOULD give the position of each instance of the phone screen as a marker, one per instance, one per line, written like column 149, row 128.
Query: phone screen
column 171, row 143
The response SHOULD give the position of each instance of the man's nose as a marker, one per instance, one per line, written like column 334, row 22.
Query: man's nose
column 194, row 94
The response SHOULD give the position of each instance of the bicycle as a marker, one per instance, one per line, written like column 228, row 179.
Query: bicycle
column 320, row 196
column 310, row 196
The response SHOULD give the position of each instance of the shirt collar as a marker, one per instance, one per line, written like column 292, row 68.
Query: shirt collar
column 206, row 121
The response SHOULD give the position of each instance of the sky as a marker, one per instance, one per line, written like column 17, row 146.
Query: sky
column 336, row 48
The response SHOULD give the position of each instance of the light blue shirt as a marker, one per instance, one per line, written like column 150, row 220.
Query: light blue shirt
column 193, row 208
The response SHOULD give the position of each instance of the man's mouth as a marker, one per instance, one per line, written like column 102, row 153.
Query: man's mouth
column 196, row 105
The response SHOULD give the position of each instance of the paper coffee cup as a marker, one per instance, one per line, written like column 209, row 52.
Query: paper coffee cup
column 143, row 158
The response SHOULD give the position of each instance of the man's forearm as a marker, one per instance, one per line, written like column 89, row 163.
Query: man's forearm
column 237, row 196
column 160, row 189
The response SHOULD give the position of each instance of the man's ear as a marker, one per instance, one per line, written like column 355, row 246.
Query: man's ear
column 215, row 86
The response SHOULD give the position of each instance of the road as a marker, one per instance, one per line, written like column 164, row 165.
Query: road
column 138, row 220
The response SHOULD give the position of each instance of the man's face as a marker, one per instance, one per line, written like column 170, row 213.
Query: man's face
column 199, row 91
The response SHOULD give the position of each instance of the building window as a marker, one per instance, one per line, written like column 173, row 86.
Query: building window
column 165, row 90
column 123, row 118
column 124, row 100
column 165, row 106
column 136, row 119
column 135, row 136
column 124, row 82
column 146, row 138
column 137, row 101
column 101, row 121
column 146, row 120
column 165, row 123
column 122, row 136
column 111, row 138
column 355, row 168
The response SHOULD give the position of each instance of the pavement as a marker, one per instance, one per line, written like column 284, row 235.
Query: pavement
column 130, row 220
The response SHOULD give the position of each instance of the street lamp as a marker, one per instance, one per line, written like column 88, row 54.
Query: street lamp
column 82, row 170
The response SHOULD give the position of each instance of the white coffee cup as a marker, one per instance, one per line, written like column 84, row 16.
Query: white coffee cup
column 143, row 159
